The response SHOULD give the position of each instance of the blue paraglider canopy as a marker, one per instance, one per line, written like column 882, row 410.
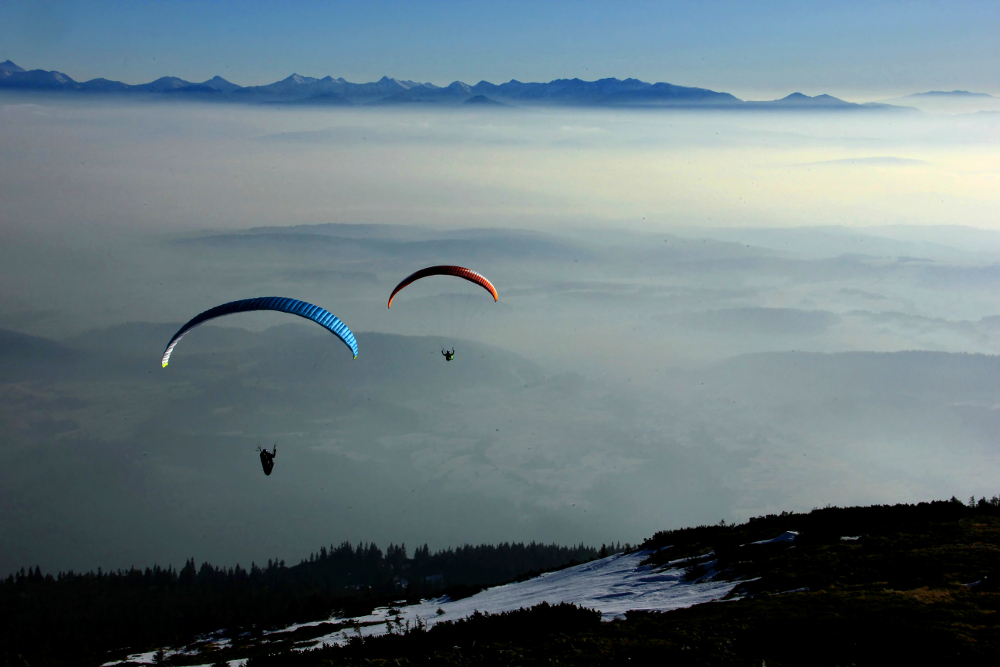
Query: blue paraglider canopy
column 282, row 304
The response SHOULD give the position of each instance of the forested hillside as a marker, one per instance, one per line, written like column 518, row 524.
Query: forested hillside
column 75, row 618
column 902, row 584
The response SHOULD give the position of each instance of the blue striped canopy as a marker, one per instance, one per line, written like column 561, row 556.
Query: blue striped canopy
column 318, row 315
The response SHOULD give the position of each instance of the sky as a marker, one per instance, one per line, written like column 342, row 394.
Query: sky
column 703, row 315
column 857, row 50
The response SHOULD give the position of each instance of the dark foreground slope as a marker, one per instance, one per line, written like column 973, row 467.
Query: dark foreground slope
column 916, row 586
column 90, row 618
column 904, row 584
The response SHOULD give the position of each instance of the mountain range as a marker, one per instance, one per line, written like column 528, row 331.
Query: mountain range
column 297, row 89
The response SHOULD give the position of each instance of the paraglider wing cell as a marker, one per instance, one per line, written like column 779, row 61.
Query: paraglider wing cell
column 457, row 271
column 282, row 304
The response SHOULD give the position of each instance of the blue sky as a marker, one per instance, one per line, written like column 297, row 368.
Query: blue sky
column 857, row 49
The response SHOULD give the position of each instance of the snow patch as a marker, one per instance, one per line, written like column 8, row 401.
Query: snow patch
column 612, row 585
column 787, row 536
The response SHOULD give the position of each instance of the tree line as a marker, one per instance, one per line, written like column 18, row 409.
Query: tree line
column 56, row 619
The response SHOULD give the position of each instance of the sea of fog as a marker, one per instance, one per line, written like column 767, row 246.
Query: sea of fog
column 702, row 316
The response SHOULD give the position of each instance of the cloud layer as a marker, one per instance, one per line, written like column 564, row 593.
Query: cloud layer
column 692, row 326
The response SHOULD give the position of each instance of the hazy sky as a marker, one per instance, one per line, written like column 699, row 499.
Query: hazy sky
column 702, row 316
column 855, row 49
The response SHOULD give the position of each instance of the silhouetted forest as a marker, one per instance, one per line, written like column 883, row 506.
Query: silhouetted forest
column 880, row 585
column 912, row 584
column 74, row 618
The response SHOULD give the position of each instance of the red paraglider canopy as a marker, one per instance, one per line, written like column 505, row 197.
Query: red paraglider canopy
column 457, row 271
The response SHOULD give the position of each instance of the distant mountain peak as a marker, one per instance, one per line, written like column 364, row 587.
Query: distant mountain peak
column 8, row 66
column 36, row 79
column 803, row 97
column 163, row 84
column 806, row 100
column 220, row 84
column 295, row 79
column 949, row 93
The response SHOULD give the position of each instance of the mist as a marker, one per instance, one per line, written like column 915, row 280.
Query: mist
column 703, row 316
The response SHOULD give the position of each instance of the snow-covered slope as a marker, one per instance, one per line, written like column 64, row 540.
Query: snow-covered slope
column 612, row 585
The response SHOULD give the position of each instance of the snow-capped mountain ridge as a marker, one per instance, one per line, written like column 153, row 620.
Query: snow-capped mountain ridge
column 297, row 88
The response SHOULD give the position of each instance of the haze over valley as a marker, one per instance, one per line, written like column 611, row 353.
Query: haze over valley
column 703, row 316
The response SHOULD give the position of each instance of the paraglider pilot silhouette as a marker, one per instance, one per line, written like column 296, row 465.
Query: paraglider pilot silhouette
column 448, row 355
column 267, row 458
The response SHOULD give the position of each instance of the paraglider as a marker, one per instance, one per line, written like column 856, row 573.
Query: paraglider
column 282, row 304
column 267, row 458
column 457, row 271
